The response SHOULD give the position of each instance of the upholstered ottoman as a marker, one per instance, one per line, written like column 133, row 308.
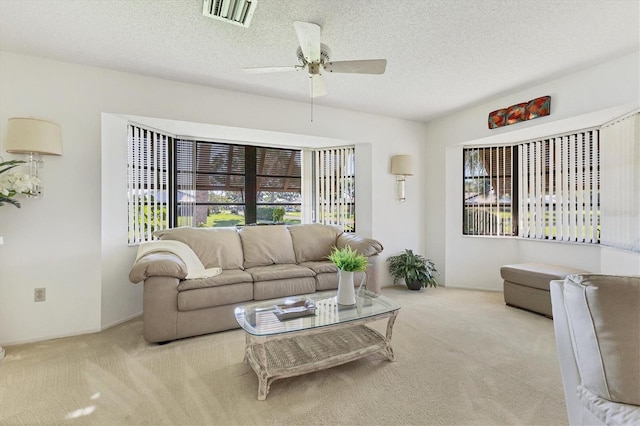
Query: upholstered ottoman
column 526, row 285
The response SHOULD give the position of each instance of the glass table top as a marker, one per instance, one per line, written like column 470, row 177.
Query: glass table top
column 259, row 318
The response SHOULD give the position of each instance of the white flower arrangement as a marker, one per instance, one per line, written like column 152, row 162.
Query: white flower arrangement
column 14, row 182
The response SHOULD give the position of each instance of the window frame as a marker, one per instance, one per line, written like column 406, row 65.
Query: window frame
column 250, row 171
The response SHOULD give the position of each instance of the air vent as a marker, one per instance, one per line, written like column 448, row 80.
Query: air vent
column 237, row 12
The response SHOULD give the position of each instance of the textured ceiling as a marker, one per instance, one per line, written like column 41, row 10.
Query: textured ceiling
column 442, row 54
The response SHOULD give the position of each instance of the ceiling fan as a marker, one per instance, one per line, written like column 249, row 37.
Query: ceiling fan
column 314, row 57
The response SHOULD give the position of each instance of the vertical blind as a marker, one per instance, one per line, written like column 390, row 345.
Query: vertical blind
column 559, row 186
column 148, row 183
column 620, row 150
column 488, row 191
column 334, row 187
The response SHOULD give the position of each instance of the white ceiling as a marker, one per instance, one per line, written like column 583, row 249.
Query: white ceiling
column 442, row 54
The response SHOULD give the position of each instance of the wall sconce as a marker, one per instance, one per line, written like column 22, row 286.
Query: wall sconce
column 401, row 166
column 33, row 137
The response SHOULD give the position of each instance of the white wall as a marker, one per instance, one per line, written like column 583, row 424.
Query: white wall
column 73, row 241
column 474, row 262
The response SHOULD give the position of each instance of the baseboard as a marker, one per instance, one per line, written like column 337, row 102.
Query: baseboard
column 77, row 333
column 120, row 321
column 55, row 336
column 462, row 287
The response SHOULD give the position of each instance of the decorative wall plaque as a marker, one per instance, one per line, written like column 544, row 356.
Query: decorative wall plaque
column 535, row 108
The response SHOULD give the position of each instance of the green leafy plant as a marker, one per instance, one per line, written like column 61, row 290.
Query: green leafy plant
column 416, row 270
column 347, row 259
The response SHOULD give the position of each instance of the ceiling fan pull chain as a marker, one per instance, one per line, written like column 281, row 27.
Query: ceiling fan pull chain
column 311, row 102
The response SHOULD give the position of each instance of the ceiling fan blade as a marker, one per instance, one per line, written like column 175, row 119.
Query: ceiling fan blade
column 366, row 66
column 309, row 39
column 262, row 70
column 317, row 86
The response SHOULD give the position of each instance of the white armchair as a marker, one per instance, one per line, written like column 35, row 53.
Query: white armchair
column 596, row 319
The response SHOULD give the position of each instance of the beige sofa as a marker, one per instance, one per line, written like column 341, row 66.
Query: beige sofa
column 596, row 319
column 257, row 262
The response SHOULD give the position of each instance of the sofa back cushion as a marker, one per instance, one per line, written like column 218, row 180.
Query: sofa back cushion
column 313, row 242
column 266, row 245
column 604, row 316
column 216, row 247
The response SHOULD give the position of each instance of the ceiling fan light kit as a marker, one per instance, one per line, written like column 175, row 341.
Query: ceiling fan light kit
column 314, row 57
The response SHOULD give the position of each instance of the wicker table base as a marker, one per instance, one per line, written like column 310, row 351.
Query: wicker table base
column 278, row 356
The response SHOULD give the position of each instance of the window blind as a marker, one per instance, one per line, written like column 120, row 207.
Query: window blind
column 147, row 182
column 185, row 182
column 242, row 182
column 559, row 188
column 488, row 191
column 334, row 187
column 620, row 150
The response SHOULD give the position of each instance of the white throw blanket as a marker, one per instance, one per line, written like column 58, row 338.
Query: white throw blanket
column 195, row 268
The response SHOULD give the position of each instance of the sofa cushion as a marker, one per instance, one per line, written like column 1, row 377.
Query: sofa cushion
column 278, row 272
column 321, row 267
column 266, row 245
column 604, row 315
column 202, row 298
column 329, row 280
column 228, row 276
column 263, row 290
column 313, row 241
column 216, row 247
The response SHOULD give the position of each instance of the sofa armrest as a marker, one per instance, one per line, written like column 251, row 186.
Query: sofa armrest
column 366, row 246
column 158, row 264
column 568, row 366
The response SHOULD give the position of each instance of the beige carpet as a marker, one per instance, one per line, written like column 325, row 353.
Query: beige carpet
column 462, row 357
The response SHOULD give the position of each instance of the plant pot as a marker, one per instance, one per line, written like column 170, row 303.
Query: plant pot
column 414, row 285
column 346, row 291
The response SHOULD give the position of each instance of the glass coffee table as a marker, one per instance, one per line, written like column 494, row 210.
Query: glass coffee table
column 332, row 335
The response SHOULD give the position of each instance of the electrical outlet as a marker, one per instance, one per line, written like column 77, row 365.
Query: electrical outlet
column 40, row 294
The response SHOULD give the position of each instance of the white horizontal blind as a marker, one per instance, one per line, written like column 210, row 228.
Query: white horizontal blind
column 185, row 182
column 620, row 150
column 147, row 183
column 334, row 181
column 559, row 188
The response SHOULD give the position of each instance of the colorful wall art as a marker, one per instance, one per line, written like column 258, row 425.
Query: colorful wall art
column 535, row 108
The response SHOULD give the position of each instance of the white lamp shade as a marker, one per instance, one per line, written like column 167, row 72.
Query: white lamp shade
column 402, row 165
column 31, row 135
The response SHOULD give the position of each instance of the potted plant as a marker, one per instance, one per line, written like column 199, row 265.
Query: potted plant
column 348, row 261
column 415, row 269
